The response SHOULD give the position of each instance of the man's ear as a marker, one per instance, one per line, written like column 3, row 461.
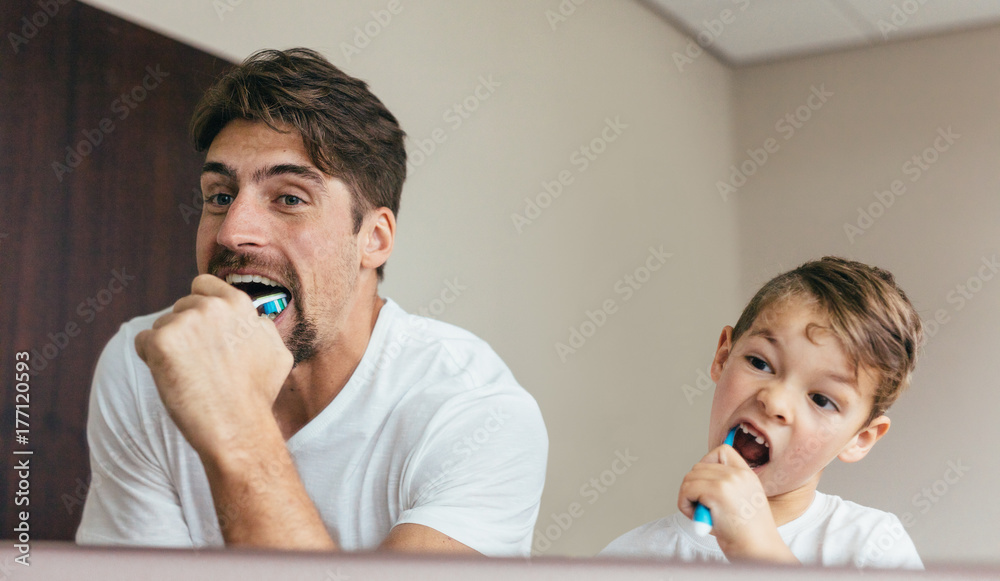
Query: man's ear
column 862, row 443
column 722, row 352
column 378, row 233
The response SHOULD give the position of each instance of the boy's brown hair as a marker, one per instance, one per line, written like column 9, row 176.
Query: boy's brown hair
column 347, row 131
column 875, row 322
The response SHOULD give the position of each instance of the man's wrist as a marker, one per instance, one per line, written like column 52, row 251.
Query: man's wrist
column 241, row 452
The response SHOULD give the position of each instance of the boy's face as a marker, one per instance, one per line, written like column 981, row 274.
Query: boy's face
column 791, row 388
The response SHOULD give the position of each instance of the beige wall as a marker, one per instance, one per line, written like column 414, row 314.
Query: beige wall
column 888, row 104
column 522, row 291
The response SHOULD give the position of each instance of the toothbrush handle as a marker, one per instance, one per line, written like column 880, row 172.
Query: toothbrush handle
column 702, row 515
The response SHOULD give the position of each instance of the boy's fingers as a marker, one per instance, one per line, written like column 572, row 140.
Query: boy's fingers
column 730, row 457
column 725, row 455
column 714, row 456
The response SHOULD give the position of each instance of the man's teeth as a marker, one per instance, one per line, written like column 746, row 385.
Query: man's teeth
column 760, row 439
column 238, row 278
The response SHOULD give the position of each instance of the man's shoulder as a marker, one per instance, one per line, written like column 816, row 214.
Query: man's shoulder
column 442, row 350
column 136, row 325
column 119, row 363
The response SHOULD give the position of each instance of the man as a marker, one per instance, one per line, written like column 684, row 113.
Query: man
column 344, row 423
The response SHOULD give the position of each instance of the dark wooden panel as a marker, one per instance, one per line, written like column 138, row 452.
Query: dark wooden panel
column 97, row 176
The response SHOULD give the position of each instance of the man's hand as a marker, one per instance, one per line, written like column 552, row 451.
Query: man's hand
column 741, row 516
column 217, row 366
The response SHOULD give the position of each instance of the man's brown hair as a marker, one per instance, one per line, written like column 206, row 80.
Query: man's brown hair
column 870, row 315
column 348, row 133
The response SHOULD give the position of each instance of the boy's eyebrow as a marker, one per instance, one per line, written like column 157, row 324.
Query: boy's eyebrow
column 846, row 380
column 765, row 333
column 834, row 375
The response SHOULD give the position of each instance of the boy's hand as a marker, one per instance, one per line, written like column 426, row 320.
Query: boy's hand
column 741, row 516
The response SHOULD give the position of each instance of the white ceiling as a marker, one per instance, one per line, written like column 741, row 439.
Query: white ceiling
column 759, row 31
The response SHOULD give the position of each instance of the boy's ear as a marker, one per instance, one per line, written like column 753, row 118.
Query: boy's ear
column 862, row 443
column 722, row 352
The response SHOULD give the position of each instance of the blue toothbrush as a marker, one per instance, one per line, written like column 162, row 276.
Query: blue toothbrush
column 271, row 305
column 703, row 516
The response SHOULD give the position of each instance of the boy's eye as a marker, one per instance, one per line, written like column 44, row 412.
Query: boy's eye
column 823, row 401
column 758, row 363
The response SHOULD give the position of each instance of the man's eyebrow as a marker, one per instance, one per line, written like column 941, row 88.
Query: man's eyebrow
column 219, row 168
column 302, row 171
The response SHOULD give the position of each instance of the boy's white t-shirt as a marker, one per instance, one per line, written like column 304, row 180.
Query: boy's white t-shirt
column 832, row 532
column 432, row 428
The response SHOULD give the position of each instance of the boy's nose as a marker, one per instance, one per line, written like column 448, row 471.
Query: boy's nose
column 777, row 402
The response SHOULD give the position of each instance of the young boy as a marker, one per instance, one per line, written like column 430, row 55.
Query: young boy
column 806, row 376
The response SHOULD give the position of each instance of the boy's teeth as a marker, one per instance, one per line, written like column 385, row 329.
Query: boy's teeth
column 760, row 439
column 238, row 278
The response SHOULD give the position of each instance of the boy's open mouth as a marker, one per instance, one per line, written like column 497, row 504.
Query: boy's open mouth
column 258, row 287
column 751, row 446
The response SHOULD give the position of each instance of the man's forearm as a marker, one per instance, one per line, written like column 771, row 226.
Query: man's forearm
column 260, row 499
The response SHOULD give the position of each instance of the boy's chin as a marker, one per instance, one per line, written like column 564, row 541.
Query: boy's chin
column 777, row 481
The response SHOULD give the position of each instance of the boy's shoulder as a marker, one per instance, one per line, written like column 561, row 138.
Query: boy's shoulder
column 671, row 537
column 835, row 531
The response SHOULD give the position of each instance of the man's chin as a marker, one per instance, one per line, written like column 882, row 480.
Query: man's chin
column 301, row 338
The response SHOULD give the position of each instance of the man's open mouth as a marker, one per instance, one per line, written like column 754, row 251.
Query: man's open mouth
column 269, row 297
column 752, row 446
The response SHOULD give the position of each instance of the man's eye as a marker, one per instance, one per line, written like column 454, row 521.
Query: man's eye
column 823, row 402
column 758, row 363
column 291, row 200
column 219, row 199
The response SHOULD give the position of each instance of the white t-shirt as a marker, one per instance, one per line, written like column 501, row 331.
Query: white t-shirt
column 432, row 428
column 832, row 532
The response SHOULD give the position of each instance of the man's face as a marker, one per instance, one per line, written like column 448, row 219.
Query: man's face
column 269, row 212
column 789, row 386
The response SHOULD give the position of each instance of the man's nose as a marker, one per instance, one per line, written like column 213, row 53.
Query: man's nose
column 243, row 225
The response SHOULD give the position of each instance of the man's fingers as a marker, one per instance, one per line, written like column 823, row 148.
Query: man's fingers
column 165, row 319
column 213, row 286
column 140, row 345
